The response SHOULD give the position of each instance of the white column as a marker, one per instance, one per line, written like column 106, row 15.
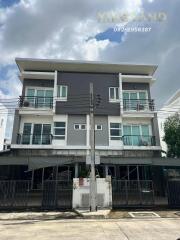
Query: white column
column 55, row 92
column 120, row 93
column 87, row 129
column 76, row 170
column 106, row 170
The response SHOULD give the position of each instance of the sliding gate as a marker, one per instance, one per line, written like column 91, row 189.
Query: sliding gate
column 53, row 194
column 57, row 194
column 132, row 193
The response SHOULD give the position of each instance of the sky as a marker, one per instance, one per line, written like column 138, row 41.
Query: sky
column 62, row 29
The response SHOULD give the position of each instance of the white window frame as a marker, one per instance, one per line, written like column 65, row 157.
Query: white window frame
column 135, row 91
column 59, row 89
column 115, row 99
column 140, row 128
column 120, row 128
column 80, row 126
column 32, row 129
column 55, row 135
column 35, row 91
column 96, row 127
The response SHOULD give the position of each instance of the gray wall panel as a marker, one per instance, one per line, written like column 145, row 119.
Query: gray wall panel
column 76, row 137
column 102, row 136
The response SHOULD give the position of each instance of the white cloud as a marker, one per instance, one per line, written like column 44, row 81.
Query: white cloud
column 42, row 29
column 60, row 29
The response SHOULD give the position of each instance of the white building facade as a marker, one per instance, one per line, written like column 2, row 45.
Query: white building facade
column 171, row 107
column 3, row 122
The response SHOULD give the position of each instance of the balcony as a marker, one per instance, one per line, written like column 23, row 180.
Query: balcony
column 138, row 105
column 34, row 139
column 136, row 140
column 36, row 102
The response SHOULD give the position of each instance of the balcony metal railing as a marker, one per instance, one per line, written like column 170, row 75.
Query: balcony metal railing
column 136, row 140
column 36, row 102
column 138, row 104
column 31, row 139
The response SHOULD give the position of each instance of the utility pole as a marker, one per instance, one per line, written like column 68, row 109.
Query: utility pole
column 93, row 206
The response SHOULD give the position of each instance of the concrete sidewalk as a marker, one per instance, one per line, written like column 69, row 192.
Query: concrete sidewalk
column 124, row 229
column 45, row 215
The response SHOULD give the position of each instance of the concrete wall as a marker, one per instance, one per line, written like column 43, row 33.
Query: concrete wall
column 16, row 126
column 102, row 136
column 81, row 190
column 155, row 129
column 76, row 137
column 3, row 122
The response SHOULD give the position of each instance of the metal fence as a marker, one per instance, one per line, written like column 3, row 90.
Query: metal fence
column 173, row 193
column 19, row 195
column 132, row 193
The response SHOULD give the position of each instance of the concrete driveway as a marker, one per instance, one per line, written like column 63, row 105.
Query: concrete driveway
column 135, row 229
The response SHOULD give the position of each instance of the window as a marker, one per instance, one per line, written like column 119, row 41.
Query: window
column 26, row 136
column 98, row 127
column 135, row 100
column 59, row 130
column 136, row 135
column 39, row 97
column 41, row 134
column 115, row 131
column 62, row 92
column 79, row 126
column 114, row 94
column 36, row 134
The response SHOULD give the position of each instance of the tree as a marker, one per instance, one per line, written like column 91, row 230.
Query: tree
column 172, row 135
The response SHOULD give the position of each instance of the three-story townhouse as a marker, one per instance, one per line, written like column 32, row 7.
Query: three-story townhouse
column 51, row 133
column 51, row 125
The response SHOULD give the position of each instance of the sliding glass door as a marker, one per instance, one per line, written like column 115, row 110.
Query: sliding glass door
column 36, row 134
column 26, row 136
column 41, row 134
column 136, row 135
column 40, row 97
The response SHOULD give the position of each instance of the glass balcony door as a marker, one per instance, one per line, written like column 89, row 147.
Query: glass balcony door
column 136, row 135
column 41, row 134
column 44, row 98
column 39, row 97
column 26, row 136
column 31, row 97
column 135, row 100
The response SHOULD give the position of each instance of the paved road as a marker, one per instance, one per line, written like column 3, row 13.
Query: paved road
column 159, row 229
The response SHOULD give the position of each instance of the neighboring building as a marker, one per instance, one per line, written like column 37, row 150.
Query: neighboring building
column 171, row 107
column 3, row 121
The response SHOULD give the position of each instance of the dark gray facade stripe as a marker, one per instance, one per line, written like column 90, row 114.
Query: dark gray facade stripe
column 136, row 86
column 78, row 85
column 37, row 83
